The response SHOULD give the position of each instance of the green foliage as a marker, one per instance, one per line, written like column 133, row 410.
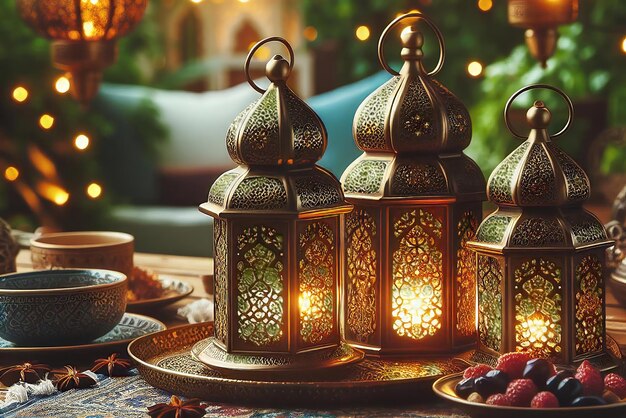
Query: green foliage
column 25, row 61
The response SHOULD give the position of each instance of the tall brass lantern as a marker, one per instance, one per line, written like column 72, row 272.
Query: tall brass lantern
column 276, row 238
column 541, row 19
column 409, row 278
column 540, row 255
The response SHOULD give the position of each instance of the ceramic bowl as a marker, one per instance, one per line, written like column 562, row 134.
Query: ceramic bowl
column 88, row 249
column 54, row 307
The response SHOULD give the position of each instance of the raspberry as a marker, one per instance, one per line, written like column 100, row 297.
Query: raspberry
column 478, row 370
column 521, row 391
column 590, row 378
column 544, row 400
column 513, row 364
column 498, row 399
column 616, row 384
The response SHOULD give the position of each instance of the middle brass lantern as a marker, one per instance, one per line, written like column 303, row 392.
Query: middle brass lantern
column 409, row 282
column 276, row 240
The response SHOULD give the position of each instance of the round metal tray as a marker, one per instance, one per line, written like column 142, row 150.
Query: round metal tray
column 165, row 361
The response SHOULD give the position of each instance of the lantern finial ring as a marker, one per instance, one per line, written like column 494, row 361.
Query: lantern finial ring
column 246, row 66
column 390, row 26
column 570, row 107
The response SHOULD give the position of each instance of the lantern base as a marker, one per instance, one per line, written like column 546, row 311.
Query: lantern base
column 85, row 61
column 607, row 361
column 210, row 352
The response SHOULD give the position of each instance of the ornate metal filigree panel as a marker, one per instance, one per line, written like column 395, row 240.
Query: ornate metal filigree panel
column 459, row 121
column 308, row 139
column 361, row 262
column 318, row 191
column 233, row 130
column 259, row 193
column 578, row 189
column 538, row 307
column 316, row 276
column 260, row 289
column 585, row 227
column 493, row 228
column 411, row 179
column 500, row 187
column 417, row 268
column 466, row 276
column 369, row 132
column 538, row 232
column 417, row 127
column 365, row 177
column 260, row 139
column 537, row 179
column 220, row 280
column 219, row 188
column 490, row 277
column 589, row 300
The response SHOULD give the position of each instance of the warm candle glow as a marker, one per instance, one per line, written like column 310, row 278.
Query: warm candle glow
column 20, row 94
column 310, row 33
column 53, row 193
column 62, row 85
column 536, row 333
column 81, row 142
column 89, row 29
column 362, row 33
column 46, row 121
column 624, row 44
column 94, row 190
column 485, row 5
column 474, row 69
column 11, row 173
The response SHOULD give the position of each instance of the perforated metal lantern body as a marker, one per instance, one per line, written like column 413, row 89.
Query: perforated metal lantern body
column 276, row 235
column 84, row 35
column 540, row 257
column 409, row 278
column 541, row 19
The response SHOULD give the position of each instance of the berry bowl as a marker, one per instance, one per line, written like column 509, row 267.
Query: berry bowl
column 445, row 388
column 55, row 307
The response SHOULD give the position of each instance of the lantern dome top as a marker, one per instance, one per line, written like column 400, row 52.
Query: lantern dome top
column 538, row 173
column 412, row 112
column 276, row 141
column 279, row 129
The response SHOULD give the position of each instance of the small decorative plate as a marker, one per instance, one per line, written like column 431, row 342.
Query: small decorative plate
column 174, row 290
column 130, row 327
column 165, row 361
column 444, row 388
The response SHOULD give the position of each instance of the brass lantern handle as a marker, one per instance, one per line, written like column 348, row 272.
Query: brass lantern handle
column 570, row 107
column 430, row 23
column 246, row 66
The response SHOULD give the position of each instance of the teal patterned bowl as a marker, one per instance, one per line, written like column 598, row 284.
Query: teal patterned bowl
column 60, row 307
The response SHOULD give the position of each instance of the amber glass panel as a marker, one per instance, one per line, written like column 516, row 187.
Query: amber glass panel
column 589, row 318
column 538, row 307
column 490, row 302
column 466, row 276
column 260, row 299
column 360, row 274
column 417, row 267
column 316, row 276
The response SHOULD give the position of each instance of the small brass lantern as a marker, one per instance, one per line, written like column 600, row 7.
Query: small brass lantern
column 540, row 255
column 409, row 278
column 541, row 19
column 276, row 232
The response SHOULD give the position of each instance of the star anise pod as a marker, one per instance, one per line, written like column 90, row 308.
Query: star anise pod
column 177, row 408
column 112, row 366
column 27, row 372
column 69, row 378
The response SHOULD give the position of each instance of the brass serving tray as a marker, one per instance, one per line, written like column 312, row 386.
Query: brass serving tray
column 164, row 360
column 444, row 388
